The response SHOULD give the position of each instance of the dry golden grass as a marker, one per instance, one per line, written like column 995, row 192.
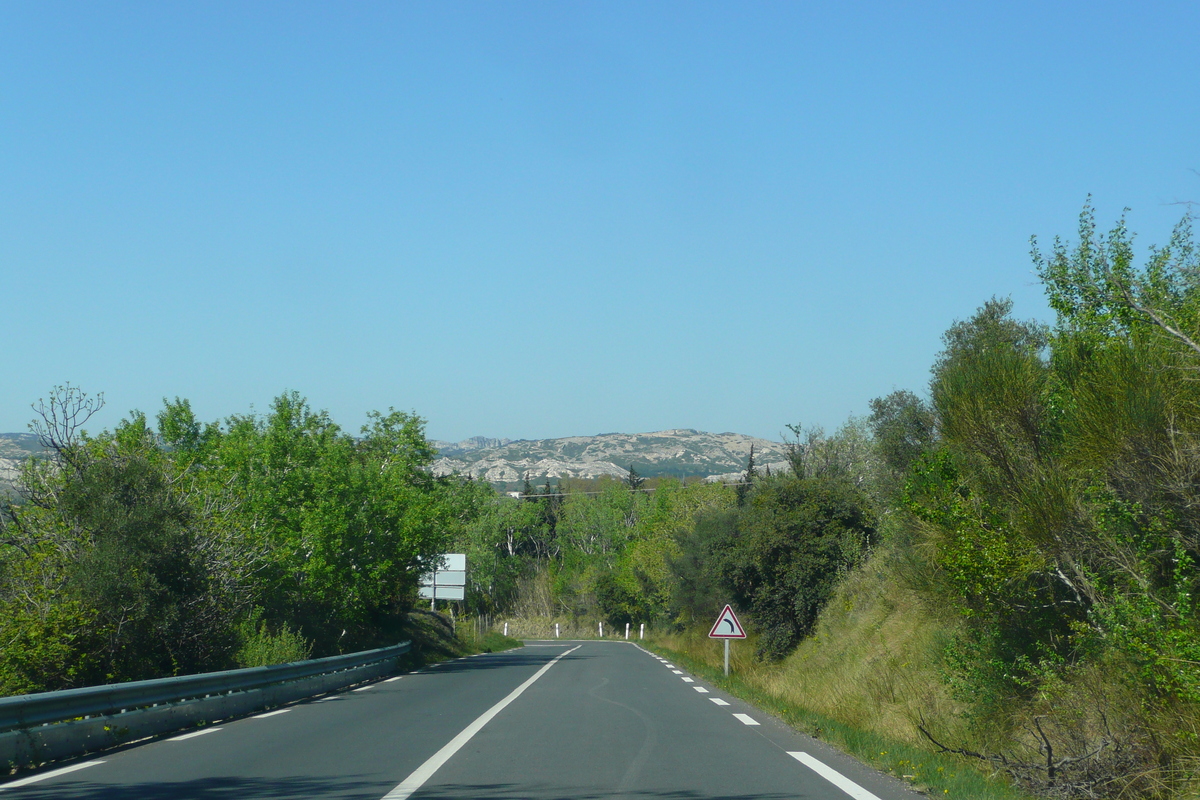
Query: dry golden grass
column 872, row 662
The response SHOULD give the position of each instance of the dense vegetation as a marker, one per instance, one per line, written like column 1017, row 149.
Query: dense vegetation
column 1042, row 508
column 155, row 551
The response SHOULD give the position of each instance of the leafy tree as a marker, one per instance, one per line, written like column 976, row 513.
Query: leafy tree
column 792, row 541
column 747, row 482
column 345, row 522
column 700, row 590
column 126, row 577
column 903, row 426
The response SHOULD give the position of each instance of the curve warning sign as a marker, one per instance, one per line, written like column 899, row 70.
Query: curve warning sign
column 727, row 626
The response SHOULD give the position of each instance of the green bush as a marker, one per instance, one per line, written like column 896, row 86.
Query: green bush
column 259, row 646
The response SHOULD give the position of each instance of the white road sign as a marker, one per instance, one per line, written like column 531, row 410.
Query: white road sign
column 443, row 592
column 448, row 582
column 727, row 626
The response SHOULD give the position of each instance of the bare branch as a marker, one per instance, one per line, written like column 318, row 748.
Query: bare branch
column 1156, row 318
column 61, row 419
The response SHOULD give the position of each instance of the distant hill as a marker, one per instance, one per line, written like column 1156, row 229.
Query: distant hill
column 680, row 452
column 452, row 449
column 14, row 449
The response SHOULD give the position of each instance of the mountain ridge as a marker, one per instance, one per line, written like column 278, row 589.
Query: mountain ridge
column 679, row 452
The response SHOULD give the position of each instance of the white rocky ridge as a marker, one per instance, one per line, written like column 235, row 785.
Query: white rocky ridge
column 672, row 452
column 15, row 448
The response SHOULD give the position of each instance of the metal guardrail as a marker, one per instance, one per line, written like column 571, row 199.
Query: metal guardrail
column 26, row 711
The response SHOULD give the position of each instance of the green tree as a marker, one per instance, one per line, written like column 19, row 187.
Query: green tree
column 903, row 427
column 633, row 480
column 792, row 541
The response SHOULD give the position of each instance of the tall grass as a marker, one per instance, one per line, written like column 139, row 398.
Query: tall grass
column 862, row 682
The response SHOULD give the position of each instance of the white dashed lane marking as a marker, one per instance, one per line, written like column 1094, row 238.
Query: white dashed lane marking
column 839, row 780
column 271, row 713
column 54, row 773
column 194, row 734
column 833, row 776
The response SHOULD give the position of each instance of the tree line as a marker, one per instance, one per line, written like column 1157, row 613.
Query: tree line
column 1042, row 494
column 176, row 547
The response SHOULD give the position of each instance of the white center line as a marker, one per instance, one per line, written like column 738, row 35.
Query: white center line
column 677, row 671
column 424, row 772
column 746, row 719
column 700, row 689
column 194, row 734
column 364, row 688
column 833, row 776
column 718, row 701
column 54, row 773
column 392, row 680
column 688, row 680
column 271, row 713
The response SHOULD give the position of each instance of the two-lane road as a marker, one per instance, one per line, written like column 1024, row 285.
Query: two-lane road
column 584, row 720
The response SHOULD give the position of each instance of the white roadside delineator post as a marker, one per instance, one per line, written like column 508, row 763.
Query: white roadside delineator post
column 601, row 630
column 506, row 629
column 626, row 631
column 642, row 631
column 556, row 630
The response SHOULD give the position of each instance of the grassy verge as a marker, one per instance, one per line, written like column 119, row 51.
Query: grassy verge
column 934, row 774
column 870, row 671
column 435, row 639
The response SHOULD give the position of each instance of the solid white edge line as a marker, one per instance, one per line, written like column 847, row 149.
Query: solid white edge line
column 54, row 773
column 746, row 719
column 833, row 776
column 193, row 734
column 424, row 772
column 271, row 713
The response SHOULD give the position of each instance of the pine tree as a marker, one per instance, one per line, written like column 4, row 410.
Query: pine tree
column 633, row 480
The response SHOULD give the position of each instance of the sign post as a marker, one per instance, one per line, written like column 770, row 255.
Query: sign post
column 727, row 627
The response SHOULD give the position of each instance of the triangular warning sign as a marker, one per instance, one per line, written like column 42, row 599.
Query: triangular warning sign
column 727, row 626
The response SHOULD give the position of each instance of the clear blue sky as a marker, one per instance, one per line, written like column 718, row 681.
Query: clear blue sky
column 549, row 219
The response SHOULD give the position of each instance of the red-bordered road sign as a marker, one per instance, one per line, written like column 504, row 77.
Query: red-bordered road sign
column 727, row 626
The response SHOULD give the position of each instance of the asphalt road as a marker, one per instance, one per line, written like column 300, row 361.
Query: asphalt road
column 579, row 720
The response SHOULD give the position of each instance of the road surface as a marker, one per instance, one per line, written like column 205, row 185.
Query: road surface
column 550, row 721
